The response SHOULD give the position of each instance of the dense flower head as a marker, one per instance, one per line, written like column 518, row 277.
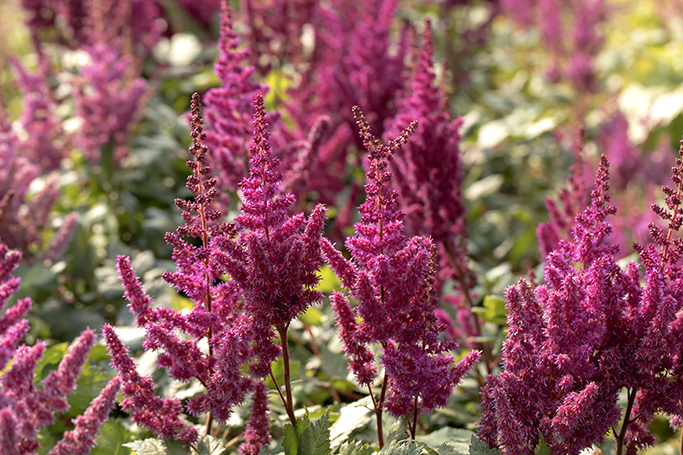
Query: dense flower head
column 590, row 331
column 428, row 173
column 230, row 107
column 276, row 256
column 198, row 275
column 107, row 99
column 23, row 216
column 76, row 23
column 392, row 278
column 41, row 127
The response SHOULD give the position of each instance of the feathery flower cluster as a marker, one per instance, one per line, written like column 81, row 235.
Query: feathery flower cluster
column 108, row 97
column 573, row 51
column 273, row 262
column 230, row 108
column 24, row 408
column 196, row 275
column 41, row 127
column 77, row 23
column 272, row 268
column 428, row 173
column 592, row 330
column 392, row 277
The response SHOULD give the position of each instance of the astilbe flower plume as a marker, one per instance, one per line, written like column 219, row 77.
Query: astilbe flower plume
column 211, row 318
column 230, row 108
column 274, row 261
column 40, row 126
column 590, row 331
column 24, row 407
column 428, row 177
column 392, row 278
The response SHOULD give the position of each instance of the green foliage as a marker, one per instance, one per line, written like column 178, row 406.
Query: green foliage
column 311, row 437
column 206, row 445
column 479, row 447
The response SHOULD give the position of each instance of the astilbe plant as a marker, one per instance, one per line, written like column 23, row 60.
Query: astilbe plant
column 392, row 279
column 273, row 263
column 591, row 331
column 272, row 267
column 428, row 176
column 25, row 407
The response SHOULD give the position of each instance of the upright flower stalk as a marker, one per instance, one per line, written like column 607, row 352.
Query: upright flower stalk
column 392, row 279
column 591, row 331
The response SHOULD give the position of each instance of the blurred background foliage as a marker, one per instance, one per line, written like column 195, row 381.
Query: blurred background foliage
column 518, row 134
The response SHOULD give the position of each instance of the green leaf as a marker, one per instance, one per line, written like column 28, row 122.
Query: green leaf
column 356, row 448
column 149, row 446
column 438, row 437
column 479, row 447
column 153, row 446
column 328, row 281
column 402, row 448
column 397, row 431
column 449, row 448
column 311, row 316
column 208, row 445
column 291, row 441
column 495, row 310
column 53, row 355
column 315, row 439
column 542, row 447
column 111, row 439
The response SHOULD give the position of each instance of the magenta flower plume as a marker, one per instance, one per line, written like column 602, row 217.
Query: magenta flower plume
column 276, row 257
column 230, row 108
column 590, row 331
column 42, row 128
column 107, row 99
column 392, row 277
column 82, row 439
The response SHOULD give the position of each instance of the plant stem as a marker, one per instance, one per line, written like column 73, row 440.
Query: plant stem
column 377, row 404
column 627, row 422
column 289, row 401
column 413, row 427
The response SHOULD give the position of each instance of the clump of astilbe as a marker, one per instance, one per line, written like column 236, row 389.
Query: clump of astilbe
column 570, row 32
column 107, row 99
column 211, row 319
column 230, row 108
column 41, row 127
column 24, row 407
column 392, row 278
column 273, row 263
column 77, row 23
column 428, row 176
column 590, row 331
column 351, row 63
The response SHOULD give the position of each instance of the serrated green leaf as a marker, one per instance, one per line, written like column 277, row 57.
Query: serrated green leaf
column 397, row 431
column 151, row 446
column 479, row 447
column 438, row 437
column 356, row 448
column 291, row 440
column 208, row 445
column 542, row 447
column 111, row 439
column 450, row 448
column 402, row 448
column 315, row 439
